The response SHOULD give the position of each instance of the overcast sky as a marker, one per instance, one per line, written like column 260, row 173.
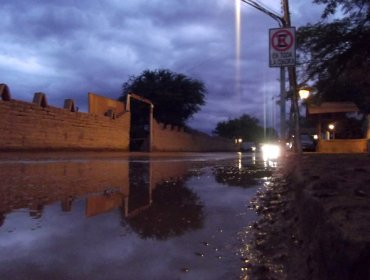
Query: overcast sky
column 67, row 48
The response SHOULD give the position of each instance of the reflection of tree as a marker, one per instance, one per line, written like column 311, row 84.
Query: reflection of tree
column 36, row 211
column 2, row 218
column 175, row 210
column 244, row 177
column 139, row 185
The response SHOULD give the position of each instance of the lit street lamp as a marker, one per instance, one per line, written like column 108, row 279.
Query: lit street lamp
column 238, row 142
column 303, row 93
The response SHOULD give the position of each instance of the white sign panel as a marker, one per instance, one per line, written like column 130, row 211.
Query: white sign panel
column 282, row 47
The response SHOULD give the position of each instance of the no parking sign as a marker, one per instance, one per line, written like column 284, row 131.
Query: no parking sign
column 282, row 47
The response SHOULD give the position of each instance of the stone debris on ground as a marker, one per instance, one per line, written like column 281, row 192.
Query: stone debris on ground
column 314, row 220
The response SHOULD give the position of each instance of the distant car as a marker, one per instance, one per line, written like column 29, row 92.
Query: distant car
column 248, row 147
column 308, row 143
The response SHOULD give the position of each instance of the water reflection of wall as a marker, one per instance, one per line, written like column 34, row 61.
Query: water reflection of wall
column 33, row 185
column 105, row 184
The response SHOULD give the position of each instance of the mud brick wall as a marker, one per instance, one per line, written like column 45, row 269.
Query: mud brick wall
column 170, row 139
column 28, row 126
column 100, row 104
column 343, row 146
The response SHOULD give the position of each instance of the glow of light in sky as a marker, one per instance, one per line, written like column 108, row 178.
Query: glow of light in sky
column 237, row 46
column 28, row 65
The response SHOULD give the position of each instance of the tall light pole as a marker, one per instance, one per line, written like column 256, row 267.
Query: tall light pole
column 284, row 21
column 281, row 21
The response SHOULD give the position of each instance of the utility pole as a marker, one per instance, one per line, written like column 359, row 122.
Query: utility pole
column 282, row 105
column 293, row 88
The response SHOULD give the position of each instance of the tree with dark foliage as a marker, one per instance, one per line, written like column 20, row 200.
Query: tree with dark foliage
column 176, row 97
column 335, row 52
column 245, row 127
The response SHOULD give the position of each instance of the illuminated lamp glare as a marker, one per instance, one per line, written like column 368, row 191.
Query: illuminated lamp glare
column 270, row 151
column 304, row 93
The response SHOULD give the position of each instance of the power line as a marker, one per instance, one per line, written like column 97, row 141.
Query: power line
column 267, row 11
column 267, row 8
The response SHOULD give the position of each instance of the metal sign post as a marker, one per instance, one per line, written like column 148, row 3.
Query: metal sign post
column 281, row 54
column 282, row 47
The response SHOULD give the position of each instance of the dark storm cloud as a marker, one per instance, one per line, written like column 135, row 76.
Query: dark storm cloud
column 68, row 48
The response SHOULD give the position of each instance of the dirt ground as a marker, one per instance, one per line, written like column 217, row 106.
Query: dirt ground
column 314, row 220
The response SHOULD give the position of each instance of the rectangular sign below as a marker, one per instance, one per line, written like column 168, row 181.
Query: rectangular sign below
column 282, row 47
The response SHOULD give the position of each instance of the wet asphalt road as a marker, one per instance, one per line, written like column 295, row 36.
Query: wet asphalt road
column 126, row 216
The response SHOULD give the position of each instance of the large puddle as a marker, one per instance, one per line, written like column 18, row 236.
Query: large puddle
column 126, row 218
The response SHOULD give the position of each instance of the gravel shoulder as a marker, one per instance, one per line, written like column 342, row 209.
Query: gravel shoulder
column 314, row 220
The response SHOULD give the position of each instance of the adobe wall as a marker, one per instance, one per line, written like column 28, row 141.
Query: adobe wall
column 342, row 146
column 29, row 126
column 171, row 139
column 346, row 145
column 37, row 126
column 100, row 104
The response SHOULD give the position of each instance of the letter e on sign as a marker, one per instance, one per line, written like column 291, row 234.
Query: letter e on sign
column 282, row 47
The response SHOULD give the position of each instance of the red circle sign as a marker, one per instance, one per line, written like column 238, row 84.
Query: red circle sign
column 282, row 40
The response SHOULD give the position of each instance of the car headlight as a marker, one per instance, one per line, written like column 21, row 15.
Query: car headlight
column 270, row 151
